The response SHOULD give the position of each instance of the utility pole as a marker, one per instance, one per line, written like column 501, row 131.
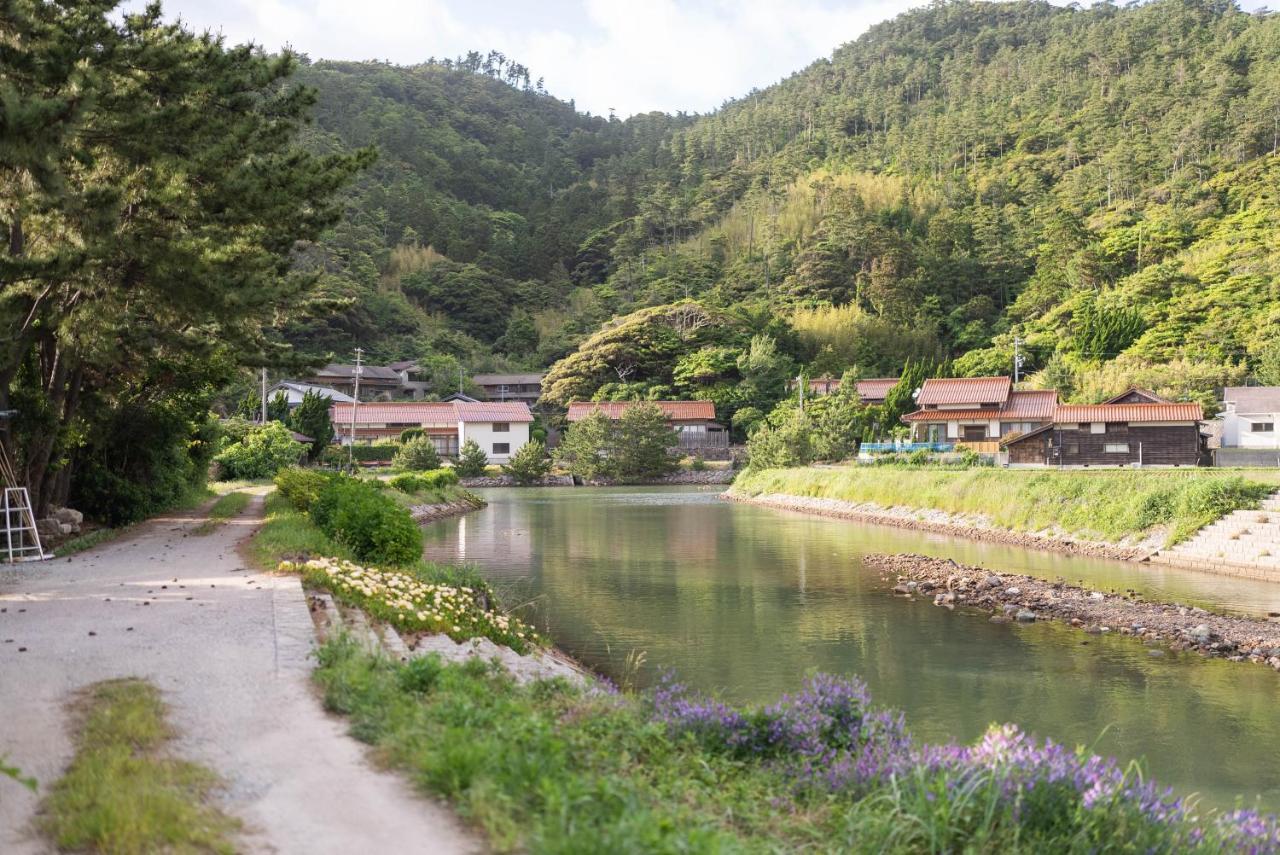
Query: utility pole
column 264, row 396
column 800, row 384
column 355, row 403
column 1017, row 358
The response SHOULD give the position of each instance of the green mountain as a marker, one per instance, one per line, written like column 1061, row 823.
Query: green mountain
column 1099, row 182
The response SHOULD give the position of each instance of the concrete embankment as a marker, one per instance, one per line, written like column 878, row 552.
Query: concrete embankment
column 942, row 522
column 1016, row 597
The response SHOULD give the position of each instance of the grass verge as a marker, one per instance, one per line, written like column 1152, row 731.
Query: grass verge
column 549, row 767
column 1107, row 505
column 227, row 506
column 123, row 793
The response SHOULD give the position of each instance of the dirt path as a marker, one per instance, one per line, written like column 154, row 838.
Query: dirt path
column 229, row 650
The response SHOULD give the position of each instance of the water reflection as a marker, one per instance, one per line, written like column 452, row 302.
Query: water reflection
column 746, row 600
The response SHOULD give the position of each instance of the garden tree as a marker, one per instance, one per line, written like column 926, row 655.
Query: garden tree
column 471, row 460
column 152, row 195
column 278, row 408
column 900, row 399
column 529, row 464
column 784, row 439
column 311, row 418
column 263, row 452
column 641, row 442
column 417, row 455
column 584, row 448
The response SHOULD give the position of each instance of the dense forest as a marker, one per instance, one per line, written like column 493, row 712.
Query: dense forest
column 1099, row 183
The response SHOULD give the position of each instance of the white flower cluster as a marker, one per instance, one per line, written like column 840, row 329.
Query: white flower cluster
column 411, row 604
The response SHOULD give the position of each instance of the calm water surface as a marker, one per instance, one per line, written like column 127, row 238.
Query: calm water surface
column 744, row 601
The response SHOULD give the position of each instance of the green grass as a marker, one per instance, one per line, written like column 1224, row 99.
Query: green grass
column 550, row 768
column 227, row 506
column 289, row 534
column 1109, row 505
column 123, row 793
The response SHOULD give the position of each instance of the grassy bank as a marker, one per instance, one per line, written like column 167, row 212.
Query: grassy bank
column 1107, row 505
column 123, row 792
column 551, row 768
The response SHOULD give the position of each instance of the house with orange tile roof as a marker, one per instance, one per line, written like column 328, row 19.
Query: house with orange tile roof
column 693, row 421
column 1135, row 428
column 976, row 412
column 499, row 427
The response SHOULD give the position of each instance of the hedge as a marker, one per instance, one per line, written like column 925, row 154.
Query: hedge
column 420, row 482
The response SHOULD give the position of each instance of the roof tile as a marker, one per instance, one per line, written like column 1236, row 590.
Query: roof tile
column 1076, row 413
column 964, row 390
column 674, row 410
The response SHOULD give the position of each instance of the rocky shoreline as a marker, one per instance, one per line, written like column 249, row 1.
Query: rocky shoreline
column 1016, row 597
column 941, row 522
column 430, row 513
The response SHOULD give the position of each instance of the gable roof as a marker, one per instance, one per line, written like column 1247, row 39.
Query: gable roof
column 1253, row 399
column 367, row 372
column 875, row 388
column 673, row 410
column 964, row 390
column 1032, row 405
column 431, row 412
column 304, row 388
column 1147, row 395
column 1036, row 405
column 1075, row 413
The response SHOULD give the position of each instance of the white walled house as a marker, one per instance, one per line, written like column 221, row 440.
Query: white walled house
column 1250, row 415
column 499, row 428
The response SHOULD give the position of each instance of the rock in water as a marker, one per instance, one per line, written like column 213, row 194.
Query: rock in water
column 1025, row 615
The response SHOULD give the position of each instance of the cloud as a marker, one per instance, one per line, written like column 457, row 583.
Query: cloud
column 630, row 55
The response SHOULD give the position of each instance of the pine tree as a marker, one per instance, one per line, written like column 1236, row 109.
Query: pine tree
column 311, row 418
column 471, row 460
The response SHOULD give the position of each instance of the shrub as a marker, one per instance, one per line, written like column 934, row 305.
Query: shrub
column 374, row 526
column 261, row 454
column 337, row 455
column 301, row 486
column 413, row 482
column 471, row 460
column 698, row 465
column 410, row 433
column 529, row 464
column 418, row 455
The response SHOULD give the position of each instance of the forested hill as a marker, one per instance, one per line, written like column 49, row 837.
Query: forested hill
column 484, row 188
column 1100, row 181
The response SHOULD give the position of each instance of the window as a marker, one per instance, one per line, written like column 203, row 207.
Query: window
column 975, row 433
column 501, row 427
column 1073, row 448
column 502, row 448
column 1097, row 427
column 1116, row 448
column 1263, row 427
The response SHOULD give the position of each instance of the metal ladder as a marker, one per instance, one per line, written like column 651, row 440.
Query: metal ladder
column 21, row 539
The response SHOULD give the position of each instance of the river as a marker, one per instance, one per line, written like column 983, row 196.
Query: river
column 745, row 601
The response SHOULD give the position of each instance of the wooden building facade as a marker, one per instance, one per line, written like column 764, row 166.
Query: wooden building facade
column 1145, row 433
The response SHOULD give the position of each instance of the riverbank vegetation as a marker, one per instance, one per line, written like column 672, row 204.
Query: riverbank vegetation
column 125, row 792
column 333, row 529
column 1110, row 505
column 553, row 768
column 637, row 446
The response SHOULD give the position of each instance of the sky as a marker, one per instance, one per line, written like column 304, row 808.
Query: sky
column 631, row 56
column 628, row 56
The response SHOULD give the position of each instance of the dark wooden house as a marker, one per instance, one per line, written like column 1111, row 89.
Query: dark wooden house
column 1131, row 429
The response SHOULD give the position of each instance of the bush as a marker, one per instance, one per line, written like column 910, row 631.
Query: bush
column 471, row 460
column 301, row 486
column 410, row 433
column 529, row 464
column 261, row 454
column 417, row 455
column 698, row 465
column 373, row 525
column 411, row 482
column 380, row 452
